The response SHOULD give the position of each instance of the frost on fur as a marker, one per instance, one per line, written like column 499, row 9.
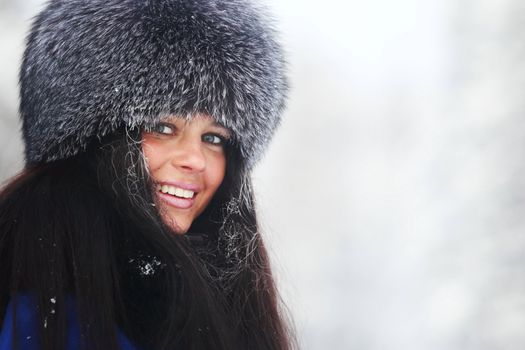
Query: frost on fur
column 91, row 67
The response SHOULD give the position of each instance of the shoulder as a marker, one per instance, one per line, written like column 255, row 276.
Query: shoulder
column 27, row 326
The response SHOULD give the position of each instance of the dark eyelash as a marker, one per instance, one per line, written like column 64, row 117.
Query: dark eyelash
column 224, row 139
column 159, row 126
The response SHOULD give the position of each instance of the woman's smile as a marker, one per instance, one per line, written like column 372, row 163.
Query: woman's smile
column 178, row 196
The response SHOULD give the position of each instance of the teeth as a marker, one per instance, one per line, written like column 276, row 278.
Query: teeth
column 175, row 191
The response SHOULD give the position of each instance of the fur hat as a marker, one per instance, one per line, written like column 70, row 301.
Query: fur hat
column 91, row 67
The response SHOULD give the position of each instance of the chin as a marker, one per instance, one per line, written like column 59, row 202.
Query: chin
column 177, row 226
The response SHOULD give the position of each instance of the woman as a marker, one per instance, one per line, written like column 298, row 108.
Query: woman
column 133, row 225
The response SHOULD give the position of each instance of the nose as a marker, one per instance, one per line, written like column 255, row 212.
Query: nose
column 188, row 155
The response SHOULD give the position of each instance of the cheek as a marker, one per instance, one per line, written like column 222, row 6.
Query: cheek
column 152, row 152
column 215, row 171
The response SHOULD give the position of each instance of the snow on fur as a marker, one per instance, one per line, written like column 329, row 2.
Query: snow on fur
column 91, row 67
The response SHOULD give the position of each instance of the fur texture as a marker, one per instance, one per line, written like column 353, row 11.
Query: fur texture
column 91, row 67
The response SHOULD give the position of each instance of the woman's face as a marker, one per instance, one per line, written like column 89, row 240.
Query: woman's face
column 186, row 159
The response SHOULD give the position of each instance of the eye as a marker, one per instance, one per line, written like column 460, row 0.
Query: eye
column 163, row 129
column 214, row 139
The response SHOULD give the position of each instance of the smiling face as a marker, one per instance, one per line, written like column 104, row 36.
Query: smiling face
column 186, row 160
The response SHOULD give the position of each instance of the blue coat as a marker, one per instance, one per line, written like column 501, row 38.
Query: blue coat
column 27, row 328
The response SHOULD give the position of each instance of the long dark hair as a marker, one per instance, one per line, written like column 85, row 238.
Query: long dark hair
column 88, row 227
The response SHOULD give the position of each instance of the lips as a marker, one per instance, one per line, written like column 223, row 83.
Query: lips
column 176, row 202
column 180, row 198
column 184, row 185
column 175, row 191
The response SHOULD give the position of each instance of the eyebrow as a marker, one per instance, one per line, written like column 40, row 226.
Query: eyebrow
column 216, row 124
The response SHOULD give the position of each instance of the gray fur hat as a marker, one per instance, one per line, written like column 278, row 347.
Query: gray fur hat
column 92, row 67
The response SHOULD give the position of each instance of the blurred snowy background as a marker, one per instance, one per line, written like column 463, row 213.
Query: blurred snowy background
column 393, row 196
